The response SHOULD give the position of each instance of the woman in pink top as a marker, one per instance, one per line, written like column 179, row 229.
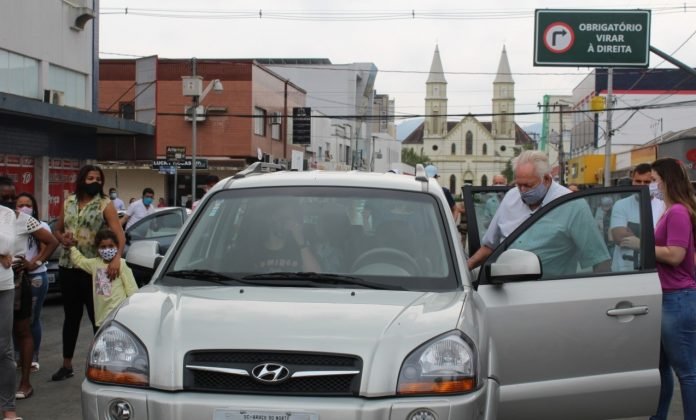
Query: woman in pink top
column 674, row 251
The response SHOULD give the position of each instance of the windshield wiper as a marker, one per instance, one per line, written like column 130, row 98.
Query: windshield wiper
column 326, row 278
column 205, row 275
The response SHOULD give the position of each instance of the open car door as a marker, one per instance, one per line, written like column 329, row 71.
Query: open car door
column 480, row 204
column 574, row 318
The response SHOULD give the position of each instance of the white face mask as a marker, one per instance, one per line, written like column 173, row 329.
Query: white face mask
column 655, row 191
column 26, row 210
column 107, row 254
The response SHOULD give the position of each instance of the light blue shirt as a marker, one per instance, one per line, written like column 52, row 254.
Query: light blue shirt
column 512, row 212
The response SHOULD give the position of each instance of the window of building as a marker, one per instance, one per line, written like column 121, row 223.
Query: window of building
column 469, row 147
column 126, row 110
column 19, row 75
column 454, row 149
column 259, row 121
column 453, row 184
column 72, row 84
column 275, row 131
column 484, row 181
column 485, row 149
column 435, row 147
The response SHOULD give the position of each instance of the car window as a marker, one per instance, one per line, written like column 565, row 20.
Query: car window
column 393, row 237
column 158, row 225
column 481, row 203
column 595, row 234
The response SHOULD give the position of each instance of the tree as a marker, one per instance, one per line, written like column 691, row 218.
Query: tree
column 410, row 157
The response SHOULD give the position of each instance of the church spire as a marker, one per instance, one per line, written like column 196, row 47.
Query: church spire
column 504, row 74
column 435, row 100
column 436, row 73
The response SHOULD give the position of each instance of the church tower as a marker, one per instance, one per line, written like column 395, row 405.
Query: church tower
column 435, row 100
column 503, row 100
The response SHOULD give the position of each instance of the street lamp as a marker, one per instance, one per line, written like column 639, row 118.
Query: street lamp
column 193, row 87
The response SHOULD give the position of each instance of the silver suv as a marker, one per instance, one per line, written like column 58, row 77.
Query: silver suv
column 313, row 295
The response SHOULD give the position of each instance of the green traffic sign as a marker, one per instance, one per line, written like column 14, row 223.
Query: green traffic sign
column 592, row 38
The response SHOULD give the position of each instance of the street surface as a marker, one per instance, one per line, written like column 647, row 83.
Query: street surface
column 61, row 400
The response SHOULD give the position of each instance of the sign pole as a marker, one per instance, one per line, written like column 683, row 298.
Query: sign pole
column 176, row 183
column 607, row 145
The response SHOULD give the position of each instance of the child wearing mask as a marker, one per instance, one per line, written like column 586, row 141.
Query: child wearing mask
column 107, row 294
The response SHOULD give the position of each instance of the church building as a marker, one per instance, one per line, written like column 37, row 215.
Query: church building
column 468, row 151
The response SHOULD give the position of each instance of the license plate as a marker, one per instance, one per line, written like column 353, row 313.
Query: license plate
column 51, row 278
column 223, row 414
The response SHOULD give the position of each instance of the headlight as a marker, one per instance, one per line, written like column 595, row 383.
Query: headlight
column 117, row 356
column 444, row 365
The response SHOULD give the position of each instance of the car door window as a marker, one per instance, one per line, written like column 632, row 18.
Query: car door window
column 480, row 205
column 587, row 235
column 158, row 225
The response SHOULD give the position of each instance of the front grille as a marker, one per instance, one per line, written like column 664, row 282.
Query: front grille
column 331, row 385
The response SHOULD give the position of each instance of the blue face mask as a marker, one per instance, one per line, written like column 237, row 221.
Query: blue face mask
column 535, row 195
column 655, row 191
column 147, row 201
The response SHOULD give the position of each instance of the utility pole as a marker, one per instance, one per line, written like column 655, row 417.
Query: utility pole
column 561, row 158
column 607, row 145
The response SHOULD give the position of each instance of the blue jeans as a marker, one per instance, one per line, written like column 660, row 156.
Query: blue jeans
column 678, row 351
column 7, row 360
column 39, row 289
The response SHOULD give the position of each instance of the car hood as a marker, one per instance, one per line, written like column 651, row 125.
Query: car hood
column 381, row 327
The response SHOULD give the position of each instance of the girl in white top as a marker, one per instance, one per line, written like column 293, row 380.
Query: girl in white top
column 26, row 203
column 26, row 228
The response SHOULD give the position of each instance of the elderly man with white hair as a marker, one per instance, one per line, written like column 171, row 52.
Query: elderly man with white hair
column 534, row 187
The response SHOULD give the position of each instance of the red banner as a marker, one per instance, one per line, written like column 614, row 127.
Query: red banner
column 20, row 169
column 62, row 179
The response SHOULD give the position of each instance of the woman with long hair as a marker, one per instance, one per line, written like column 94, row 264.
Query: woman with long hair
column 84, row 214
column 28, row 231
column 674, row 251
column 36, row 268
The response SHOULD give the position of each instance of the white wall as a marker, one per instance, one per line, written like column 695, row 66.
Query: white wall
column 41, row 29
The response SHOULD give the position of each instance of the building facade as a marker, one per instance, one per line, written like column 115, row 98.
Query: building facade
column 49, row 126
column 468, row 151
column 343, row 94
column 249, row 120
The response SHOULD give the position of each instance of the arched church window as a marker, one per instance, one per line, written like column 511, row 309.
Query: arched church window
column 485, row 149
column 453, row 184
column 484, row 181
column 469, row 147
column 454, row 149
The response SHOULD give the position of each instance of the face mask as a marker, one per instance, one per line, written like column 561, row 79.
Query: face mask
column 535, row 195
column 107, row 254
column 655, row 191
column 26, row 210
column 92, row 189
column 147, row 201
column 113, row 195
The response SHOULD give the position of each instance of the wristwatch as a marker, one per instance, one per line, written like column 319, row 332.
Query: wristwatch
column 38, row 263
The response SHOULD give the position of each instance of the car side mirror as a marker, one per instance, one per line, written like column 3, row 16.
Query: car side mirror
column 144, row 254
column 514, row 265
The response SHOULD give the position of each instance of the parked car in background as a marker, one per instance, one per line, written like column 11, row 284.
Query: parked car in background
column 161, row 226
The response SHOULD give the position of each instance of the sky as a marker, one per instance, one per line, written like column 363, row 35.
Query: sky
column 470, row 40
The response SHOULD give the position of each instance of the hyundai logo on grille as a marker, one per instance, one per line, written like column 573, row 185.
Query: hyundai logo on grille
column 270, row 373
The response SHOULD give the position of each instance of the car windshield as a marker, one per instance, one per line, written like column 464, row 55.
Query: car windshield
column 383, row 239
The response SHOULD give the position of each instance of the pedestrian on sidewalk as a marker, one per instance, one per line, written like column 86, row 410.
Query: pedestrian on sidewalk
column 84, row 214
column 107, row 293
column 674, row 251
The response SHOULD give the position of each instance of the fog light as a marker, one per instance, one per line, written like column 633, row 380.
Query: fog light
column 422, row 414
column 120, row 410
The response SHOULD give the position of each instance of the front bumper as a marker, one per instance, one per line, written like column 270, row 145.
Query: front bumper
column 154, row 404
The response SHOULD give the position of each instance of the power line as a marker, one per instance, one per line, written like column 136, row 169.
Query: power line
column 688, row 103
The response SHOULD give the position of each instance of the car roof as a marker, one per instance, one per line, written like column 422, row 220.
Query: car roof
column 329, row 178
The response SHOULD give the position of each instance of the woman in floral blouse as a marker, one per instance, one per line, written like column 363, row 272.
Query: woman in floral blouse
column 84, row 214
